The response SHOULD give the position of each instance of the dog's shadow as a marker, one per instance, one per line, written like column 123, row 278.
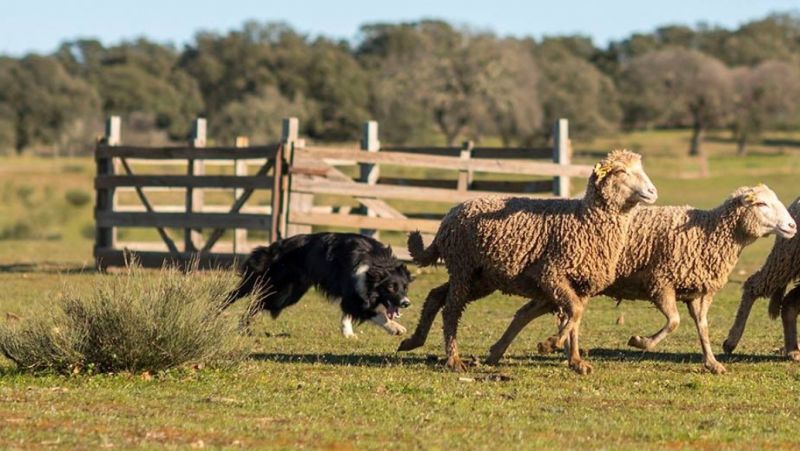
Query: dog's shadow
column 369, row 360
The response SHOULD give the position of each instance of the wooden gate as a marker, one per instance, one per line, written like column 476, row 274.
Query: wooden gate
column 190, row 172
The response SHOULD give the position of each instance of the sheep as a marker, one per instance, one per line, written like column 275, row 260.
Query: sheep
column 781, row 268
column 559, row 249
column 681, row 253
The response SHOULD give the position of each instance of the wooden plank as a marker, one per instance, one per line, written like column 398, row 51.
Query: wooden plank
column 264, row 210
column 183, row 181
column 359, row 221
column 465, row 177
column 182, row 220
column 509, row 186
column 398, row 192
column 527, row 153
column 381, row 208
column 523, row 167
column 561, row 157
column 185, row 152
column 369, row 173
column 105, row 198
column 239, row 170
column 155, row 259
column 149, row 207
column 301, row 202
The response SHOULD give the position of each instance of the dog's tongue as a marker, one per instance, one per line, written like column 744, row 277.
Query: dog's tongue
column 391, row 312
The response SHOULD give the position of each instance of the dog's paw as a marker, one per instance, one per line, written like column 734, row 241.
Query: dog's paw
column 350, row 335
column 394, row 328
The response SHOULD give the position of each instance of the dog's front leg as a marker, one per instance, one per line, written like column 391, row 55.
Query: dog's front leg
column 347, row 326
column 391, row 327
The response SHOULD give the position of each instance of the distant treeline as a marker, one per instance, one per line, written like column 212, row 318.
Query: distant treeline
column 420, row 80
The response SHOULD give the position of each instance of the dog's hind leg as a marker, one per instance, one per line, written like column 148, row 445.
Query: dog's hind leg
column 433, row 304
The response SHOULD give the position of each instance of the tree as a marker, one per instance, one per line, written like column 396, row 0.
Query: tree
column 767, row 96
column 677, row 87
column 571, row 87
column 43, row 101
column 257, row 116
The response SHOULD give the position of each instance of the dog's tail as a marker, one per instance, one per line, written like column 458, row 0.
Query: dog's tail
column 252, row 274
column 421, row 255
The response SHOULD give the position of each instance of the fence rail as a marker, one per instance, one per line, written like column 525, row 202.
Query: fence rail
column 295, row 175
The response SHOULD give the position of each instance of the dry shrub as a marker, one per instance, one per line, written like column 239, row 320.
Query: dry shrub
column 137, row 321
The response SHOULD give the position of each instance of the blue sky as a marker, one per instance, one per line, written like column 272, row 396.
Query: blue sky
column 39, row 25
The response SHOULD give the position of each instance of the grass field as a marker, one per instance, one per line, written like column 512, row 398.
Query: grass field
column 306, row 386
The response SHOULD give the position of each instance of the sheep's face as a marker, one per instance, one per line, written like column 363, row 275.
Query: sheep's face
column 621, row 179
column 765, row 213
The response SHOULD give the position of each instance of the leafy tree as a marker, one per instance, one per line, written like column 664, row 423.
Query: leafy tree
column 677, row 87
column 766, row 97
column 257, row 116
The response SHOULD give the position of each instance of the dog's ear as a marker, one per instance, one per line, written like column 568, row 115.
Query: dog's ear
column 389, row 248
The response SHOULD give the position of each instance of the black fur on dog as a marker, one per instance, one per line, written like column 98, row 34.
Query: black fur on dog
column 369, row 282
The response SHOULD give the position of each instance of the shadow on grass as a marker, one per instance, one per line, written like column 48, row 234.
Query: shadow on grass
column 46, row 268
column 346, row 359
column 622, row 355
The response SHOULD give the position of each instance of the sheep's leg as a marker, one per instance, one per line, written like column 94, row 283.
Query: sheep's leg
column 524, row 315
column 433, row 303
column 575, row 361
column 789, row 311
column 698, row 309
column 666, row 304
column 454, row 306
column 737, row 329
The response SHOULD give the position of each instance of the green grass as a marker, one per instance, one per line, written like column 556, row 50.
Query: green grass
column 306, row 386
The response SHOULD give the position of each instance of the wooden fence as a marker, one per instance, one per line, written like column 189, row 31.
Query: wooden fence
column 115, row 176
column 295, row 174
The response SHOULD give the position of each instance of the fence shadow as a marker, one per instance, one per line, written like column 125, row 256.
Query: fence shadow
column 46, row 268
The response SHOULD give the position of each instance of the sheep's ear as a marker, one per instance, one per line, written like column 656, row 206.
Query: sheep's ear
column 749, row 199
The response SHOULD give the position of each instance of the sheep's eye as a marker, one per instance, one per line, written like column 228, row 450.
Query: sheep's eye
column 760, row 204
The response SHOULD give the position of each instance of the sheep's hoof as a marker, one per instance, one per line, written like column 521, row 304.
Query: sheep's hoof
column 494, row 356
column 794, row 356
column 548, row 346
column 715, row 367
column 455, row 364
column 410, row 343
column 640, row 343
column 728, row 347
column 581, row 367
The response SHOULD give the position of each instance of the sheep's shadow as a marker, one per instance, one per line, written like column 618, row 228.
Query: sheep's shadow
column 628, row 355
column 326, row 358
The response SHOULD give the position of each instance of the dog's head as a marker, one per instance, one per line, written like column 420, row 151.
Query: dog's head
column 384, row 283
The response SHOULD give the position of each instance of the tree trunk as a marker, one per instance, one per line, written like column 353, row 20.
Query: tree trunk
column 697, row 137
column 741, row 146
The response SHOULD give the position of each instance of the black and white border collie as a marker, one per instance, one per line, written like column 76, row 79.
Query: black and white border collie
column 359, row 272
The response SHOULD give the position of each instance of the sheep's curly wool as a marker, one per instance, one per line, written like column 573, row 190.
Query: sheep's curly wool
column 781, row 268
column 688, row 250
column 554, row 249
column 511, row 240
column 674, row 253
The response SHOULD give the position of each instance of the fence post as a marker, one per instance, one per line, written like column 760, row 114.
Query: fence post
column 194, row 197
column 465, row 176
column 240, row 169
column 562, row 154
column 289, row 132
column 106, row 199
column 370, row 173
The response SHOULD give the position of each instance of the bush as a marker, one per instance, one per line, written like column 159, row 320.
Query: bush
column 77, row 198
column 137, row 321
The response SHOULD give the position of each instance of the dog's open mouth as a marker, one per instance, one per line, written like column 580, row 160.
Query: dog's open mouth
column 392, row 312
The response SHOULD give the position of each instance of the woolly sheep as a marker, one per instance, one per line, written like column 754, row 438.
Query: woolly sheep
column 781, row 268
column 681, row 254
column 558, row 249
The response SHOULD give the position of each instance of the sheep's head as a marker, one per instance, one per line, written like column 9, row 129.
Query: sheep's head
column 620, row 181
column 764, row 213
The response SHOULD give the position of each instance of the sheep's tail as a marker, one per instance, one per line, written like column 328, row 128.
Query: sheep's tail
column 421, row 255
column 775, row 302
